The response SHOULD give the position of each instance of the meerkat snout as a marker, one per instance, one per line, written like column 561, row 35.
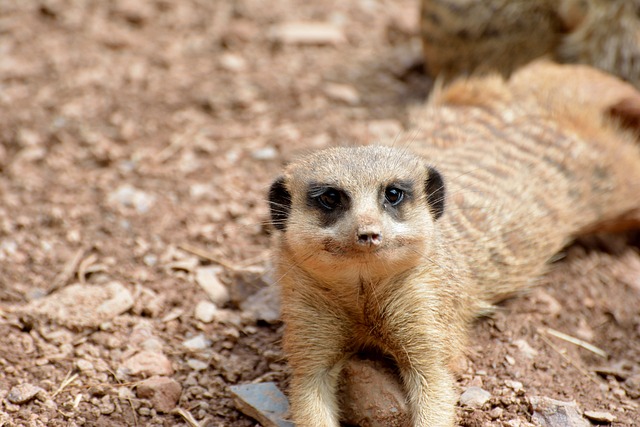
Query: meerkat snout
column 368, row 238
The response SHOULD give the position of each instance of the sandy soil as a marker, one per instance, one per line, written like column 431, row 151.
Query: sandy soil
column 137, row 141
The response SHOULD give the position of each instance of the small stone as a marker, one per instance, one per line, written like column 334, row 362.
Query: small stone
column 163, row 393
column 342, row 93
column 130, row 197
column 205, row 311
column 199, row 342
column 79, row 305
column 514, row 385
column 264, row 305
column 84, row 365
column 600, row 417
column 233, row 62
column 555, row 413
column 632, row 386
column 474, row 397
column 266, row 153
column 263, row 402
column 23, row 393
column 496, row 413
column 307, row 33
column 148, row 363
column 197, row 365
column 525, row 349
column 207, row 278
column 510, row 360
column 372, row 394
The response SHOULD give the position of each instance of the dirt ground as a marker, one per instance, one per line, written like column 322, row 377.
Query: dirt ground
column 138, row 139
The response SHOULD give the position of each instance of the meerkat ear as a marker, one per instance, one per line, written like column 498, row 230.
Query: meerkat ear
column 435, row 190
column 279, row 203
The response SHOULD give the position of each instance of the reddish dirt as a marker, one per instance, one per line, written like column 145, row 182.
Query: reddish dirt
column 196, row 106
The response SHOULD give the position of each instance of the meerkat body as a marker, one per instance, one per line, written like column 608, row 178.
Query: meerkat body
column 398, row 249
column 461, row 37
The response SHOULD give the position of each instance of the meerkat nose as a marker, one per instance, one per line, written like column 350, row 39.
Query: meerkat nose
column 369, row 238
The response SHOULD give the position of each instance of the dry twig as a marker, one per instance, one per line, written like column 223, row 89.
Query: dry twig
column 187, row 416
column 573, row 340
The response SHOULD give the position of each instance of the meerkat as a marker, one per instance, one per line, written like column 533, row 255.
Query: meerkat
column 398, row 249
column 461, row 37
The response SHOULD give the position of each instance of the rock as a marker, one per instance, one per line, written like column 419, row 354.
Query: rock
column 207, row 278
column 263, row 402
column 307, row 33
column 233, row 62
column 525, row 349
column 516, row 386
column 372, row 395
column 555, row 413
column 84, row 365
column 474, row 397
column 81, row 306
column 496, row 413
column 600, row 417
column 198, row 342
column 246, row 282
column 148, row 363
column 197, row 365
column 23, row 393
column 632, row 386
column 128, row 196
column 205, row 311
column 163, row 392
column 266, row 153
column 342, row 93
column 264, row 305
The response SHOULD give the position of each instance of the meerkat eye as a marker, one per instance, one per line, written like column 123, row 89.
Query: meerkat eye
column 393, row 195
column 330, row 199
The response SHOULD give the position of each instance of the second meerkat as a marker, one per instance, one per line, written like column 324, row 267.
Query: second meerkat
column 462, row 37
column 398, row 249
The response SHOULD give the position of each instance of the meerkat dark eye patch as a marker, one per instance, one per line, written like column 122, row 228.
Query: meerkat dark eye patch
column 435, row 191
column 279, row 204
column 330, row 201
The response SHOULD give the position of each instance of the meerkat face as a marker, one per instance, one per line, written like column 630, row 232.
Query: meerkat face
column 357, row 212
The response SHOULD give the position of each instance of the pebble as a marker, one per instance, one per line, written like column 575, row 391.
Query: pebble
column 232, row 62
column 516, row 386
column 199, row 342
column 162, row 392
column 263, row 402
column 264, row 305
column 555, row 413
column 130, row 197
column 601, row 417
column 148, row 363
column 526, row 349
column 372, row 395
column 207, row 278
column 197, row 365
column 205, row 311
column 474, row 397
column 342, row 93
column 82, row 305
column 307, row 33
column 266, row 153
column 23, row 393
column 84, row 365
column 496, row 413
column 632, row 385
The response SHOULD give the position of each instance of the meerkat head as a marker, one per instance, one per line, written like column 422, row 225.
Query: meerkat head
column 360, row 211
